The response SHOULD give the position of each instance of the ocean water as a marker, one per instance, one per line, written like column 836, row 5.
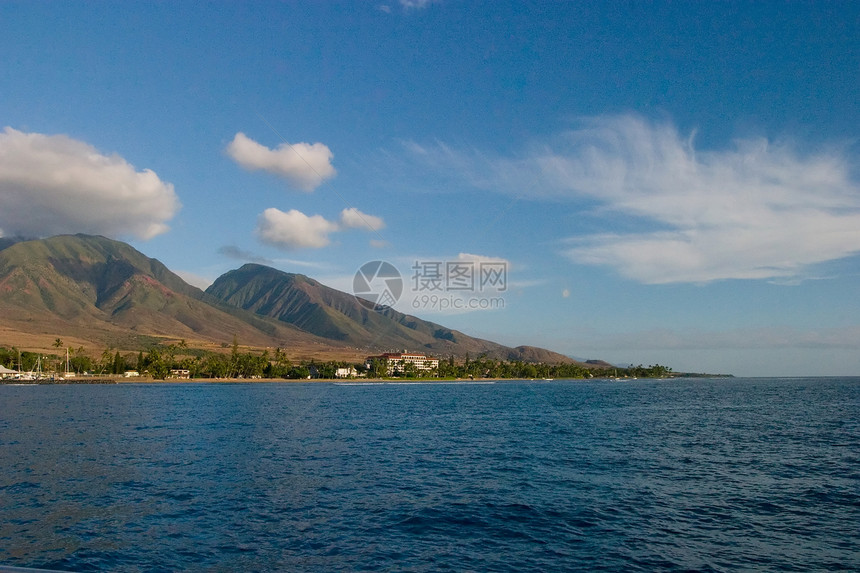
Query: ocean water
column 705, row 474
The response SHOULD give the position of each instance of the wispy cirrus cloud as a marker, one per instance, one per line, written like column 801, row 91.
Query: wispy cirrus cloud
column 757, row 210
column 416, row 4
column 304, row 165
column 53, row 184
column 294, row 230
column 473, row 258
column 305, row 264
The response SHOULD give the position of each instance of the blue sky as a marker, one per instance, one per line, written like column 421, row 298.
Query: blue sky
column 671, row 183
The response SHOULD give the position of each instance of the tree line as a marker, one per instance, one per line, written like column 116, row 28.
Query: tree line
column 159, row 361
column 484, row 367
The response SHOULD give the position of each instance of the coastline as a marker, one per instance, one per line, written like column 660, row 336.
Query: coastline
column 349, row 381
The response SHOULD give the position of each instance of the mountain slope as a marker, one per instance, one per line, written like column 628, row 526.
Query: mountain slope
column 329, row 313
column 104, row 292
column 94, row 286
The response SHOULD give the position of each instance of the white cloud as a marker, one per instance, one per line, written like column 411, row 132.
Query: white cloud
column 53, row 184
column 352, row 218
column 472, row 258
column 416, row 4
column 294, row 230
column 306, row 166
column 755, row 211
column 299, row 263
column 441, row 261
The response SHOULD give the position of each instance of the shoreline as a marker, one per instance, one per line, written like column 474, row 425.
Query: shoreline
column 152, row 381
column 109, row 380
column 351, row 381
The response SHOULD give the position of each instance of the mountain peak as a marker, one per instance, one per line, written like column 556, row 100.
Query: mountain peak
column 98, row 288
column 102, row 290
column 329, row 313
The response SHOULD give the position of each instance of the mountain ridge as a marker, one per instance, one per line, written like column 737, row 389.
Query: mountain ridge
column 324, row 311
column 72, row 284
column 102, row 290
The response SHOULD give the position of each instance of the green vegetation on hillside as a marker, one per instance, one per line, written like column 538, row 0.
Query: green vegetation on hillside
column 104, row 292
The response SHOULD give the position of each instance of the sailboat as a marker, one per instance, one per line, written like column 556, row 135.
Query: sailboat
column 68, row 373
column 35, row 373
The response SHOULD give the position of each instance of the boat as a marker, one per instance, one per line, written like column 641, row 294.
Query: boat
column 68, row 373
column 35, row 373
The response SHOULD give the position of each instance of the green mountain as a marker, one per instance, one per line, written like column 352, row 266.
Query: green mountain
column 8, row 242
column 335, row 315
column 105, row 291
column 92, row 289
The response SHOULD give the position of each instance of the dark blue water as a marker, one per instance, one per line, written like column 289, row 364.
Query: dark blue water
column 712, row 475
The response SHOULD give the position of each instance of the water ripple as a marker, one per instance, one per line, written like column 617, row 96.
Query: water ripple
column 706, row 475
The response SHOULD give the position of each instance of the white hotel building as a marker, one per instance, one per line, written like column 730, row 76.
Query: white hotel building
column 397, row 360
